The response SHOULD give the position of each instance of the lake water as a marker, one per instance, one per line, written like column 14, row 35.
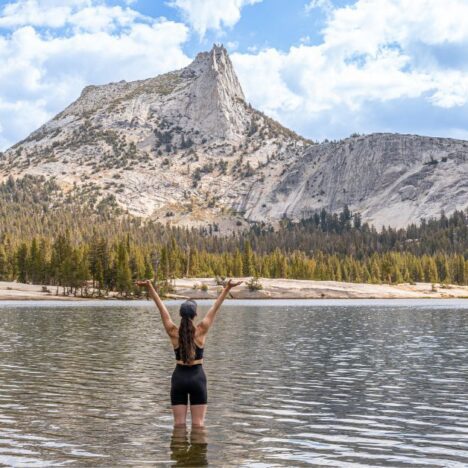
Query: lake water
column 290, row 383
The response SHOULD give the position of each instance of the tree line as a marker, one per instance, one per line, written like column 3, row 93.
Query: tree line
column 114, row 266
column 48, row 237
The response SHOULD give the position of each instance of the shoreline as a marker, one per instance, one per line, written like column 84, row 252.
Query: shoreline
column 273, row 288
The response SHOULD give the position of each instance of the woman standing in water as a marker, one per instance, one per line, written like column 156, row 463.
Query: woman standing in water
column 188, row 341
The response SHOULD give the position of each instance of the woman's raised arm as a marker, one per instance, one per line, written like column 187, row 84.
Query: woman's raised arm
column 169, row 325
column 207, row 321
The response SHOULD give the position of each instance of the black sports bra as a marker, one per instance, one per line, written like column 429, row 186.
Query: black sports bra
column 198, row 353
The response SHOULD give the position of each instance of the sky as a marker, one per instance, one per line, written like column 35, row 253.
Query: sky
column 324, row 68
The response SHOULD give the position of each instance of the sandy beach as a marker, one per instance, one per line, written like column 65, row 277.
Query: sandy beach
column 279, row 288
column 13, row 291
column 272, row 289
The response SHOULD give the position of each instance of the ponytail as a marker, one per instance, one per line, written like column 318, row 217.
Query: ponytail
column 187, row 340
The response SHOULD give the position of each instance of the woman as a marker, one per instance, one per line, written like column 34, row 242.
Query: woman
column 188, row 341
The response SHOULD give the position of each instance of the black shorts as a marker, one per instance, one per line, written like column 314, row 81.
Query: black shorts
column 188, row 380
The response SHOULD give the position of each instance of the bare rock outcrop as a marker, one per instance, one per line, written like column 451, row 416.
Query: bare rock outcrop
column 186, row 148
column 391, row 179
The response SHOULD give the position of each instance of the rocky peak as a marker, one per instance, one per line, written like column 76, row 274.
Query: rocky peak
column 216, row 103
column 216, row 65
column 165, row 146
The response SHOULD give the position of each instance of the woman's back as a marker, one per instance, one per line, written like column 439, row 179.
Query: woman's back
column 198, row 353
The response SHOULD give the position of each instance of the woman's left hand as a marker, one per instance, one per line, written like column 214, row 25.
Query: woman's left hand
column 146, row 283
column 230, row 284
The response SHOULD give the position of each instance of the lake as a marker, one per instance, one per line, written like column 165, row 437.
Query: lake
column 290, row 383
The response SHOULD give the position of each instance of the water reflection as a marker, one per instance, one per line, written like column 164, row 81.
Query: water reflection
column 189, row 449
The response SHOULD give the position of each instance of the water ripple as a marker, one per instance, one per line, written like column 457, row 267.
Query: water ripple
column 317, row 384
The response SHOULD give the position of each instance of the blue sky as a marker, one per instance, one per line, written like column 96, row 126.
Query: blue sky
column 325, row 68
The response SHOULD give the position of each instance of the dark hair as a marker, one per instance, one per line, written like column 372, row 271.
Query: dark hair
column 188, row 310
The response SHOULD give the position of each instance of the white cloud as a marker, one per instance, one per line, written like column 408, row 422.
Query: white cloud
column 452, row 90
column 211, row 14
column 273, row 96
column 48, row 13
column 374, row 51
column 325, row 5
column 20, row 118
column 232, row 45
column 86, row 15
column 44, row 70
column 370, row 23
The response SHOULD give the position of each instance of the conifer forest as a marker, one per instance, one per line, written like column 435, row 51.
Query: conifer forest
column 78, row 245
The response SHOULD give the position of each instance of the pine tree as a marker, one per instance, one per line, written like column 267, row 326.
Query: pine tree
column 98, row 276
column 22, row 263
column 4, row 273
column 83, row 272
column 123, row 279
column 375, row 271
column 43, row 263
column 248, row 260
column 61, row 253
column 238, row 267
column 459, row 270
column 149, row 272
column 430, row 270
column 35, row 262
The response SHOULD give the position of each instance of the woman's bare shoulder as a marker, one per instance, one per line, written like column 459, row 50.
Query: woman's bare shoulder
column 199, row 329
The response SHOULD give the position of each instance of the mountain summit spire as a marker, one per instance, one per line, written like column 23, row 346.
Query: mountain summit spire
column 217, row 102
column 218, row 63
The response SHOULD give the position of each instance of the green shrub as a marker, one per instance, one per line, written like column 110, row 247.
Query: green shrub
column 254, row 284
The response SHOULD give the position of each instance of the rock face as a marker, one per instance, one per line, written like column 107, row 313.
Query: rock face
column 186, row 148
column 216, row 104
column 390, row 179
